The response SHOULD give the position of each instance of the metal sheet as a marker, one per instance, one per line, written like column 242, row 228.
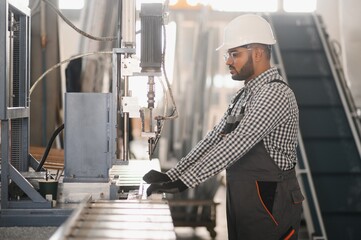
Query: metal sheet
column 130, row 211
column 87, row 146
column 127, row 218
column 132, row 174
column 129, row 205
column 126, row 234
column 76, row 192
column 167, row 226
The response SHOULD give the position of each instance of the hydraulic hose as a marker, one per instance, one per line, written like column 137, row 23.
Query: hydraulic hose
column 47, row 150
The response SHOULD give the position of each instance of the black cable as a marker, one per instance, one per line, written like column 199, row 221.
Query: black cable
column 47, row 150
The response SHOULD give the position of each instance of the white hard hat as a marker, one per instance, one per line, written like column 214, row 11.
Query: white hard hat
column 247, row 29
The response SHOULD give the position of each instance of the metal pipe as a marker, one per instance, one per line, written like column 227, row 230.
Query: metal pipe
column 43, row 42
column 126, row 123
column 11, row 67
column 127, row 25
column 5, row 162
column 119, row 33
column 151, row 100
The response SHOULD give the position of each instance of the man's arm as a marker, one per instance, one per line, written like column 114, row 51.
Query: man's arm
column 269, row 109
column 201, row 149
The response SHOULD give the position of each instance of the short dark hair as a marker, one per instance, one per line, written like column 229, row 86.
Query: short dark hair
column 268, row 50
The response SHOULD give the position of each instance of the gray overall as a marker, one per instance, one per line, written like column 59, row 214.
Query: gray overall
column 263, row 202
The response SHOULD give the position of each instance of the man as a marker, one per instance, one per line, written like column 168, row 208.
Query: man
column 255, row 142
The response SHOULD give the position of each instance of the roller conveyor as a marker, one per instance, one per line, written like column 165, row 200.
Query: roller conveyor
column 134, row 218
column 119, row 219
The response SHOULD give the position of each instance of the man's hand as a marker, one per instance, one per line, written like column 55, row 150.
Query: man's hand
column 168, row 187
column 156, row 177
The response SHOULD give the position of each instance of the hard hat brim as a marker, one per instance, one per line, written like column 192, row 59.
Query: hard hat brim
column 225, row 46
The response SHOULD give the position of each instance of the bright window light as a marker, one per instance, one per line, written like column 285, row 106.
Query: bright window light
column 240, row 5
column 21, row 3
column 225, row 81
column 196, row 2
column 173, row 2
column 300, row 6
column 71, row 4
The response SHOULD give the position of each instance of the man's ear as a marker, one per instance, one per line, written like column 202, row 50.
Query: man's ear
column 259, row 54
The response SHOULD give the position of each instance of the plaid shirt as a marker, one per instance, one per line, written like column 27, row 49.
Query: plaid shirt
column 271, row 115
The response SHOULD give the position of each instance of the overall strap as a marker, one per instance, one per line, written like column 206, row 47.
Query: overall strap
column 279, row 81
column 230, row 108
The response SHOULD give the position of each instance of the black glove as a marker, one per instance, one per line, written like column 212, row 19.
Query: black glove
column 168, row 187
column 156, row 177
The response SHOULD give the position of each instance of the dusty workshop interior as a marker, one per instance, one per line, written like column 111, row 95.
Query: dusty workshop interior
column 94, row 94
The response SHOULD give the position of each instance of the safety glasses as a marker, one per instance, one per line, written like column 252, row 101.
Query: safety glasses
column 234, row 54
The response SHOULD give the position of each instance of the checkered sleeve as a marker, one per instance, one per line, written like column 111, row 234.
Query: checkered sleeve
column 269, row 107
column 199, row 151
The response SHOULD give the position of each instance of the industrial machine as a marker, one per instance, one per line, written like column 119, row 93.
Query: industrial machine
column 96, row 164
column 92, row 145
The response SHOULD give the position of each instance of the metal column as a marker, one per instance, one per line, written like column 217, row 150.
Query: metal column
column 14, row 106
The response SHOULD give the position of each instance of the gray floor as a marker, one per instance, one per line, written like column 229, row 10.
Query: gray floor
column 201, row 233
column 26, row 233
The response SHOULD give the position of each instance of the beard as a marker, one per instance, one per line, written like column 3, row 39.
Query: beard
column 246, row 72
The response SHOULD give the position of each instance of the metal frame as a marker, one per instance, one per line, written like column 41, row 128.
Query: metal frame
column 116, row 88
column 7, row 111
column 15, row 115
column 15, row 158
column 341, row 89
